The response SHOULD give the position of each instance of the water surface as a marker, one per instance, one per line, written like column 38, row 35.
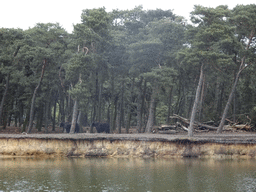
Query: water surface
column 117, row 174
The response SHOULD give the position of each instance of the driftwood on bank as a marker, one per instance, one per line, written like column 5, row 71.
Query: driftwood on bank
column 237, row 127
column 231, row 127
column 187, row 121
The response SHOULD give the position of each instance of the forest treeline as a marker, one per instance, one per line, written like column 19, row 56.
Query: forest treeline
column 131, row 68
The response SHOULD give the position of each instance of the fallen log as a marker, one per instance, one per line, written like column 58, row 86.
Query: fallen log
column 187, row 121
column 182, row 126
column 181, row 118
column 166, row 127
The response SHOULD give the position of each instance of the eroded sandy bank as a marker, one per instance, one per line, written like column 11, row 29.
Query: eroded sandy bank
column 129, row 145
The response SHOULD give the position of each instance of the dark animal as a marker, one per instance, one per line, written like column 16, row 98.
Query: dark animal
column 66, row 126
column 101, row 127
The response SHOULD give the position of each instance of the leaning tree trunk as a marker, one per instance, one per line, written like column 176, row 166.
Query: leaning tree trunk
column 32, row 108
column 231, row 95
column 193, row 113
column 4, row 96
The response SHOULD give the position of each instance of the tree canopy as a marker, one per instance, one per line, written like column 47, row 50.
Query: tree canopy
column 131, row 68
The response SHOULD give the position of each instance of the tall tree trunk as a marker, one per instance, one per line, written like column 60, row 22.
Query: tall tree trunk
column 25, row 123
column 79, row 121
column 201, row 100
column 120, row 116
column 62, row 107
column 20, row 113
column 193, row 113
column 40, row 116
column 4, row 96
column 99, row 109
column 114, row 113
column 139, row 106
column 128, row 123
column 74, row 117
column 68, row 107
column 96, row 98
column 234, row 107
column 16, row 113
column 150, row 122
column 54, row 115
column 234, row 103
column 32, row 108
column 46, row 118
column 216, row 100
column 112, row 105
column 169, row 106
column 142, row 117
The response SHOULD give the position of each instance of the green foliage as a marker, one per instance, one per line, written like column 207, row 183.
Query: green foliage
column 112, row 62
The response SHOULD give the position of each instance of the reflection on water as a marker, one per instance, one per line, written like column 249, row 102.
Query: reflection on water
column 117, row 174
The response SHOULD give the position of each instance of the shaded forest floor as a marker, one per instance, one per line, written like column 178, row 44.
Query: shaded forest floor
column 132, row 130
column 18, row 130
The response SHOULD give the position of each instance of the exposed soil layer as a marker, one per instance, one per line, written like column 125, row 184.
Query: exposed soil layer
column 179, row 145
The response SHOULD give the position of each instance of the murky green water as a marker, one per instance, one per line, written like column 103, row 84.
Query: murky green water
column 103, row 174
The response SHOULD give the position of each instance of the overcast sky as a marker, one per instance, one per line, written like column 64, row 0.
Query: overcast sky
column 26, row 13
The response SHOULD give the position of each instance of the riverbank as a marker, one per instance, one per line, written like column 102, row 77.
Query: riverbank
column 130, row 145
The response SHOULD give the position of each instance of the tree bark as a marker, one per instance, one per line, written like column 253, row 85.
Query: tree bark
column 193, row 113
column 32, row 108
